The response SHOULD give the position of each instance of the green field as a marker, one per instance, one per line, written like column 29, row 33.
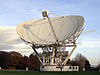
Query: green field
column 46, row 73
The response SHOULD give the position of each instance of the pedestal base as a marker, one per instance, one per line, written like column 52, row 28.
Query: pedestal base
column 57, row 68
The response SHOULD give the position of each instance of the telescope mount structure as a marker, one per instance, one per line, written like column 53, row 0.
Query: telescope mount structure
column 58, row 34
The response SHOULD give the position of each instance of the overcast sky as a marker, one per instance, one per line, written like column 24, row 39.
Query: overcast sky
column 13, row 12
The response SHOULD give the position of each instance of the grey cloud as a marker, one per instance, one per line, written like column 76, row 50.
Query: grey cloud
column 10, row 40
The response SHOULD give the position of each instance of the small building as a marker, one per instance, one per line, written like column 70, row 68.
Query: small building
column 57, row 68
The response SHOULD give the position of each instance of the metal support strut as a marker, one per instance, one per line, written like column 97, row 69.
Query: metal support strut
column 66, row 60
column 37, row 54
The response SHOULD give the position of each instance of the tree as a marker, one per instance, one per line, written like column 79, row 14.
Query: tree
column 87, row 65
column 80, row 61
column 5, row 59
column 25, row 62
column 74, row 63
column 16, row 58
column 34, row 62
column 98, row 67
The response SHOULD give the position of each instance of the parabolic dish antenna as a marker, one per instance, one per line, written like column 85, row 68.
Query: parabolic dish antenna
column 51, row 34
column 39, row 31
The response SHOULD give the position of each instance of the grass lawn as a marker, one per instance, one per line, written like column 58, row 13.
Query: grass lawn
column 46, row 73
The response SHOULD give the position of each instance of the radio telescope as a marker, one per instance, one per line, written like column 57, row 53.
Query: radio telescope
column 52, row 35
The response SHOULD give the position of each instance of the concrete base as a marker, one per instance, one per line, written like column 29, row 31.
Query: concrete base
column 57, row 68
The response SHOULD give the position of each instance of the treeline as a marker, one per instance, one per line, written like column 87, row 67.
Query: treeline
column 15, row 60
column 83, row 63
